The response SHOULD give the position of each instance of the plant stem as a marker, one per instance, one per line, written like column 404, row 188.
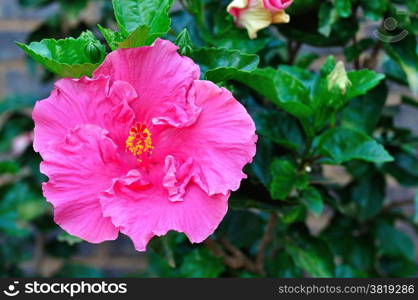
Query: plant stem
column 259, row 261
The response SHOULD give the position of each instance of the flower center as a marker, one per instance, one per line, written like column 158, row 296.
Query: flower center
column 139, row 140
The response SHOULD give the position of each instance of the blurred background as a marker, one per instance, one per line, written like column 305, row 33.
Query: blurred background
column 31, row 244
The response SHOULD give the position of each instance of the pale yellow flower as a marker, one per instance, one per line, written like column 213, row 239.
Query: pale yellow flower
column 254, row 16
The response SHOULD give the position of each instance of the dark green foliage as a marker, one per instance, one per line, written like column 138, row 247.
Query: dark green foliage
column 310, row 110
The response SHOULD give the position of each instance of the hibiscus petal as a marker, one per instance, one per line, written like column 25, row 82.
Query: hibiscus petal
column 142, row 211
column 83, row 101
column 221, row 141
column 160, row 76
column 275, row 5
column 79, row 167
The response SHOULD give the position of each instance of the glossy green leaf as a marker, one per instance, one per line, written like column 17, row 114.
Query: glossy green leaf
column 113, row 38
column 374, row 9
column 363, row 113
column 393, row 242
column 362, row 81
column 69, row 57
column 220, row 64
column 313, row 201
column 327, row 17
column 405, row 53
column 312, row 255
column 184, row 42
column 283, row 266
column 139, row 37
column 241, row 227
column 404, row 168
column 343, row 8
column 368, row 195
column 342, row 144
column 200, row 263
column 279, row 127
column 354, row 51
column 285, row 178
column 131, row 14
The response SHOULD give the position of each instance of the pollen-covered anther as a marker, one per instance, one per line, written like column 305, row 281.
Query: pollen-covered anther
column 139, row 140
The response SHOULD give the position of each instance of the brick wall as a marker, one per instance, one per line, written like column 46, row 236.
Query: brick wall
column 15, row 24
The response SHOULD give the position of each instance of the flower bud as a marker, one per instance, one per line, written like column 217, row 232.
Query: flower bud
column 93, row 52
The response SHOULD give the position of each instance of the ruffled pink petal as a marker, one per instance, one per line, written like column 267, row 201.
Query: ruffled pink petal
column 221, row 141
column 161, row 78
column 178, row 175
column 83, row 101
column 142, row 211
column 275, row 5
column 79, row 167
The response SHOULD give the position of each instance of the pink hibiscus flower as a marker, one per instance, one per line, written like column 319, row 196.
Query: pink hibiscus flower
column 275, row 5
column 143, row 147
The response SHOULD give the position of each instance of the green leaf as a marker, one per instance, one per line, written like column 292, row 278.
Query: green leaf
column 280, row 87
column 165, row 247
column 220, row 64
column 241, row 227
column 353, row 249
column 343, row 8
column 9, row 166
column 131, row 14
column 393, row 242
column 113, row 38
column 374, row 9
column 397, row 267
column 313, row 201
column 184, row 42
column 283, row 266
column 287, row 92
column 68, row 57
column 200, row 263
column 139, row 37
column 305, row 60
column 342, row 144
column 405, row 53
column 368, row 194
column 362, row 81
column 260, row 166
column 32, row 209
column 303, row 28
column 279, row 127
column 312, row 255
column 404, row 168
column 327, row 17
column 68, row 238
column 354, row 51
column 293, row 213
column 285, row 178
column 363, row 113
column 328, row 66
column 412, row 5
